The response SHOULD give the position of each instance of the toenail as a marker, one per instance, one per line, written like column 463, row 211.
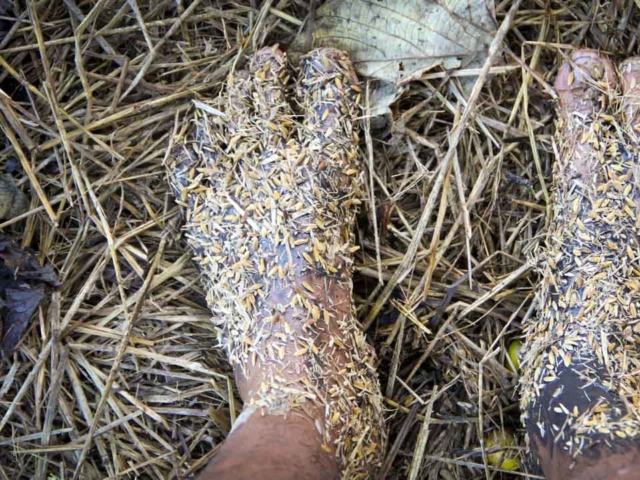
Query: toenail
column 630, row 65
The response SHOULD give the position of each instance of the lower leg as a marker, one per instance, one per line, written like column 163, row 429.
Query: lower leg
column 579, row 396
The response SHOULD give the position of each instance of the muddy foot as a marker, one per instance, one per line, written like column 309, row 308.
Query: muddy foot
column 580, row 397
column 270, row 201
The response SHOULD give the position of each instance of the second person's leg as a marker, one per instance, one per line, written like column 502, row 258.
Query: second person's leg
column 580, row 396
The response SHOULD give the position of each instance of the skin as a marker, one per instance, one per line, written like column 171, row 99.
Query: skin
column 591, row 91
column 273, row 447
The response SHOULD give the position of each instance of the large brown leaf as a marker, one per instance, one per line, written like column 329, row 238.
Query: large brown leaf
column 395, row 41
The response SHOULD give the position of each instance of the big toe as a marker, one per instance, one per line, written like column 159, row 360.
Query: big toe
column 257, row 104
column 268, row 67
column 329, row 94
column 584, row 83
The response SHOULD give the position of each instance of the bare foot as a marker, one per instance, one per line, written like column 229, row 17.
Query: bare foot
column 580, row 397
column 270, row 206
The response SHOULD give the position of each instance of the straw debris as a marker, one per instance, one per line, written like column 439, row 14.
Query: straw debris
column 97, row 96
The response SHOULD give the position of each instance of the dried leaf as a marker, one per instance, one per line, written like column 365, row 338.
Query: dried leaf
column 208, row 108
column 396, row 41
column 12, row 201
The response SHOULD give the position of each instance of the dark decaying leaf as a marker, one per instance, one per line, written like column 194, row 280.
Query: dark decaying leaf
column 23, row 286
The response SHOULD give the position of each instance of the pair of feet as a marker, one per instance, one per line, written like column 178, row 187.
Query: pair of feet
column 269, row 185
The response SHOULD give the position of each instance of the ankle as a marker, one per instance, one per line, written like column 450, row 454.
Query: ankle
column 272, row 447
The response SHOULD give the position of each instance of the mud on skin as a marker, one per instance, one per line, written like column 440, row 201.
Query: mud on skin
column 580, row 393
column 270, row 192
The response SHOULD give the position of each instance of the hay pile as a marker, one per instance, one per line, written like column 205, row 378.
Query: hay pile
column 119, row 375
